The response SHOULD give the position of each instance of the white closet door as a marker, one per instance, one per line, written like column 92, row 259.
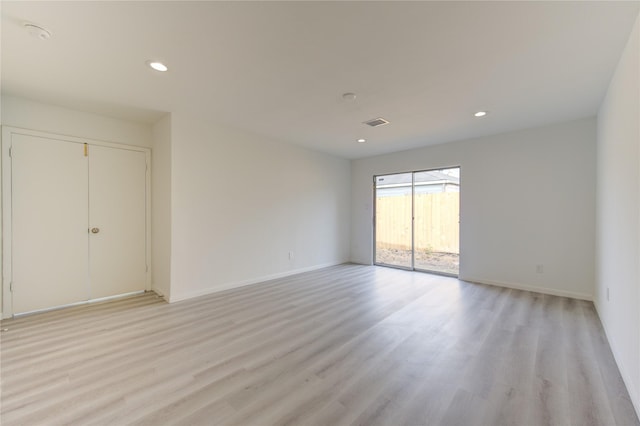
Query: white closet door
column 49, row 223
column 117, row 211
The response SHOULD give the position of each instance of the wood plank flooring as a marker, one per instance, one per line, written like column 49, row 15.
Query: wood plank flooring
column 347, row 345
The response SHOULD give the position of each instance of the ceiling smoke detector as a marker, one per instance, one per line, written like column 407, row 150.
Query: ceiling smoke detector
column 37, row 31
column 376, row 122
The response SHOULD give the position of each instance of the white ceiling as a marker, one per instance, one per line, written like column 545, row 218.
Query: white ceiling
column 280, row 68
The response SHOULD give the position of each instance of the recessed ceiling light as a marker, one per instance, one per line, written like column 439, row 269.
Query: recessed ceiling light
column 158, row 66
column 480, row 114
column 361, row 140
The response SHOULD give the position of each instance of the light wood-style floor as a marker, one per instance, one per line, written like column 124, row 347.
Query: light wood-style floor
column 345, row 345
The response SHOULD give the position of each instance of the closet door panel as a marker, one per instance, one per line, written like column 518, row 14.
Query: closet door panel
column 49, row 223
column 117, row 212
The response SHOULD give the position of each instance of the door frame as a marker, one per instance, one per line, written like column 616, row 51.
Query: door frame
column 375, row 218
column 413, row 218
column 5, row 233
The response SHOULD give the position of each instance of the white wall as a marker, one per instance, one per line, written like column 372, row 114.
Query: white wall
column 618, row 215
column 527, row 198
column 241, row 203
column 161, row 207
column 26, row 114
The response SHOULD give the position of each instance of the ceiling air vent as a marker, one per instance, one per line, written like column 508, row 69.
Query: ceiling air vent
column 376, row 122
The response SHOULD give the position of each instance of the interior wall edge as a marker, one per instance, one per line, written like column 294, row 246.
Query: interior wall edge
column 624, row 371
column 159, row 294
column 618, row 224
column 161, row 207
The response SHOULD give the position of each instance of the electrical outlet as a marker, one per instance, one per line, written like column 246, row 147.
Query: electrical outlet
column 290, row 255
column 539, row 269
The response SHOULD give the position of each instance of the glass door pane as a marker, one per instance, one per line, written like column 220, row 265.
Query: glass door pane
column 393, row 227
column 437, row 213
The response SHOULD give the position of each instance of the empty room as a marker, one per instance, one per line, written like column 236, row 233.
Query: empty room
column 320, row 213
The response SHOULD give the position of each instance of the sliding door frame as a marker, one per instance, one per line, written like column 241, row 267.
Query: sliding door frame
column 413, row 219
column 375, row 218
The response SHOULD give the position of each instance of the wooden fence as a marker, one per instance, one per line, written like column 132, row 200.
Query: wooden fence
column 436, row 222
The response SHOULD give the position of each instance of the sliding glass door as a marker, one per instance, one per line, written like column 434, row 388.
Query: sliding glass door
column 417, row 220
column 437, row 213
column 393, row 224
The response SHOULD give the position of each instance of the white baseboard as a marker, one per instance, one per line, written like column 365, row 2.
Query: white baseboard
column 228, row 286
column 624, row 372
column 160, row 294
column 535, row 289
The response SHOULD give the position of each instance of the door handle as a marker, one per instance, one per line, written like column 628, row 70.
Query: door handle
column 95, row 230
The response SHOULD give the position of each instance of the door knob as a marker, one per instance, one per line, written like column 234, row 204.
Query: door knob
column 95, row 230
